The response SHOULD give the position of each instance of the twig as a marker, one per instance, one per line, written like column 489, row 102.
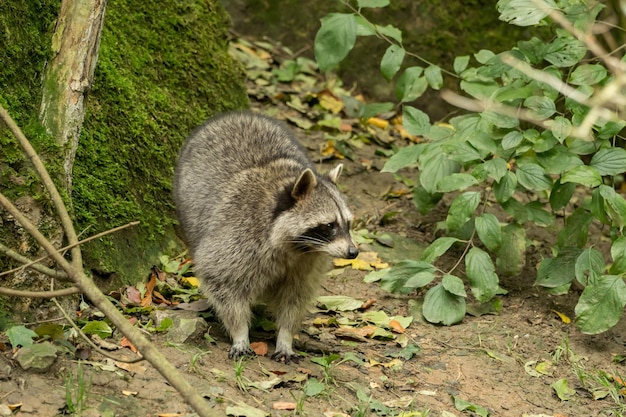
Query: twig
column 39, row 294
column 89, row 341
column 29, row 263
column 60, row 208
column 37, row 267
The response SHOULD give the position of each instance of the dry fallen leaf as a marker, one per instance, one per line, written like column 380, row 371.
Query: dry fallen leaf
column 260, row 348
column 368, row 303
column 375, row 121
column 126, row 343
column 132, row 368
column 129, row 393
column 396, row 327
column 564, row 318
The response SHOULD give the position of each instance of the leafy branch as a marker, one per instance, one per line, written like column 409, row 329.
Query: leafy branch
column 545, row 122
column 75, row 272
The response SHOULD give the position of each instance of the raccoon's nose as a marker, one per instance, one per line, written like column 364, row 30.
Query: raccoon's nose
column 353, row 252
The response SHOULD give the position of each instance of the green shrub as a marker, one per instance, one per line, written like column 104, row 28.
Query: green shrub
column 544, row 124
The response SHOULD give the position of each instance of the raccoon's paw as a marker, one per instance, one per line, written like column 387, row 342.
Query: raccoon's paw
column 238, row 351
column 287, row 357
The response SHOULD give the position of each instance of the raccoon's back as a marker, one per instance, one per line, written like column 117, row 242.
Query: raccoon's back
column 230, row 153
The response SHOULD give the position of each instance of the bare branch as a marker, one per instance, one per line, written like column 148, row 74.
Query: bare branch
column 66, row 222
column 28, row 263
column 34, row 264
column 39, row 294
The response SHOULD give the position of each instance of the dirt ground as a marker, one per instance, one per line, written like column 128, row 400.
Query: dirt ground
column 490, row 361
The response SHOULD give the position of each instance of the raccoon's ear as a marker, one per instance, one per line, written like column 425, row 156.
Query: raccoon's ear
column 304, row 185
column 334, row 173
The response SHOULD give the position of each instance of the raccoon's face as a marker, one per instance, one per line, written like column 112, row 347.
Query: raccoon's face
column 318, row 220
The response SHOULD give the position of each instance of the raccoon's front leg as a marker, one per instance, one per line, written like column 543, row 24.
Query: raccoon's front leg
column 235, row 316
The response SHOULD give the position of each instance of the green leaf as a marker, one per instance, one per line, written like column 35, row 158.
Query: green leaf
column 618, row 254
column 462, row 405
column 334, row 39
column 560, row 127
column 372, row 3
column 597, row 207
column 434, row 165
column 390, row 31
column 587, row 74
column 392, row 61
column 484, row 55
column 313, row 387
column 538, row 215
column 558, row 271
column 433, row 77
column 442, row 306
column 453, row 285
column 589, row 262
column 415, row 121
column 496, row 168
column 98, row 327
column 583, row 174
column 489, row 231
column 541, row 106
column 561, row 194
column 481, row 274
column 460, row 63
column 524, row 12
column 601, row 304
column 610, row 161
column 576, row 230
column 562, row 390
column 405, row 157
column 339, row 302
column 564, row 52
column 558, row 160
column 411, row 84
column 455, row 182
column 511, row 256
column 615, row 205
column 437, row 248
column 407, row 275
column 479, row 90
column 512, row 139
column 364, row 27
column 20, row 336
column 372, row 109
column 461, row 209
column 425, row 201
column 533, row 177
column 505, row 188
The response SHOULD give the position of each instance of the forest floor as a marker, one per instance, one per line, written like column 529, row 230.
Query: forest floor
column 503, row 364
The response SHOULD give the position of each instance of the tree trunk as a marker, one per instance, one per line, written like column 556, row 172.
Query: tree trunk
column 69, row 75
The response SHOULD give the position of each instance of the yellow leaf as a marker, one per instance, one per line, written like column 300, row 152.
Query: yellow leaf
column 366, row 261
column 340, row 262
column 563, row 317
column 330, row 103
column 375, row 121
column 193, row 281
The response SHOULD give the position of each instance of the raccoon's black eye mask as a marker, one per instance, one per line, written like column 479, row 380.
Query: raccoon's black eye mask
column 324, row 232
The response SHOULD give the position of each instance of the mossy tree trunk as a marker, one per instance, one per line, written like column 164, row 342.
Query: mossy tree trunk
column 69, row 75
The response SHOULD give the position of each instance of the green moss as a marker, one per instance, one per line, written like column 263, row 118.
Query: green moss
column 159, row 76
column 163, row 69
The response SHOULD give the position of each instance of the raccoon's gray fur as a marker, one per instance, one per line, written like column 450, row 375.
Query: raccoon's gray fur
column 259, row 222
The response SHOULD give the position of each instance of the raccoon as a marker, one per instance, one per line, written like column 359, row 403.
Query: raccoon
column 259, row 222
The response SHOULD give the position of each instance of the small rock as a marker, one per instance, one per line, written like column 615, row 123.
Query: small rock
column 5, row 410
column 5, row 369
column 39, row 357
column 186, row 325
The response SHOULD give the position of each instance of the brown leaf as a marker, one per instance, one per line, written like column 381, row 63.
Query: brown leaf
column 132, row 368
column 147, row 299
column 126, row 343
column 260, row 348
column 133, row 295
column 396, row 327
column 368, row 303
